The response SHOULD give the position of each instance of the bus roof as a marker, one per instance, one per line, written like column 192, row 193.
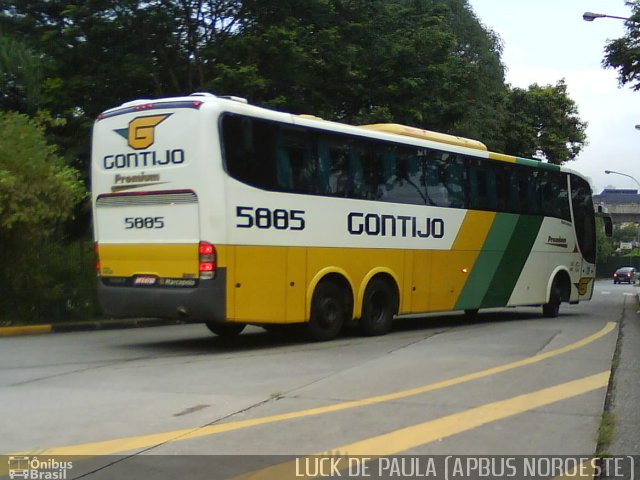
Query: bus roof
column 394, row 129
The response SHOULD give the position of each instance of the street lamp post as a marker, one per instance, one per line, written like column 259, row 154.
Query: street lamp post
column 624, row 175
column 590, row 17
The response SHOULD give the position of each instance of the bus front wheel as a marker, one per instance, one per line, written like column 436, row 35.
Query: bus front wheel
column 552, row 309
column 328, row 311
column 378, row 308
column 225, row 329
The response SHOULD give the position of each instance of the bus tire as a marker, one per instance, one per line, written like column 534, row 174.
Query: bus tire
column 379, row 305
column 471, row 313
column 328, row 311
column 225, row 329
column 552, row 309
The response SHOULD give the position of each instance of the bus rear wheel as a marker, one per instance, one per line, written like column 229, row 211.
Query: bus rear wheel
column 328, row 311
column 225, row 329
column 378, row 308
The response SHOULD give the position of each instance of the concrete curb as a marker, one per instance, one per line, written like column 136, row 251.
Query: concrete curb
column 25, row 330
column 87, row 326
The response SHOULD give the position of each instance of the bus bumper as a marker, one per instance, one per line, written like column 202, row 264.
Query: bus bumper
column 203, row 303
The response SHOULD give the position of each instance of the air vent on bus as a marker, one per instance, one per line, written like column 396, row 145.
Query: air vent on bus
column 235, row 99
column 307, row 116
column 425, row 135
column 133, row 103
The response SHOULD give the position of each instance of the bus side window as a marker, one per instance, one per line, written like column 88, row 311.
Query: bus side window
column 387, row 182
column 324, row 165
column 548, row 192
column 534, row 192
column 477, row 185
column 562, row 207
column 437, row 193
column 407, row 188
column 555, row 195
column 518, row 189
column 294, row 162
column 454, row 180
column 358, row 188
column 339, row 167
column 284, row 173
column 240, row 136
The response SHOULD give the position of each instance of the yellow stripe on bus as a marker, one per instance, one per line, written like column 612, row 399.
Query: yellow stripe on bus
column 276, row 284
column 502, row 157
column 162, row 260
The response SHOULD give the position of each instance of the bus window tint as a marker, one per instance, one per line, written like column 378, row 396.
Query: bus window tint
column 454, row 180
column 242, row 160
column 583, row 217
column 358, row 186
column 486, row 185
column 409, row 187
column 286, row 158
column 399, row 181
column 295, row 166
column 555, row 195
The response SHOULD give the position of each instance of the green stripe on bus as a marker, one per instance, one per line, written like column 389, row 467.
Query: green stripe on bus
column 537, row 164
column 488, row 261
column 510, row 266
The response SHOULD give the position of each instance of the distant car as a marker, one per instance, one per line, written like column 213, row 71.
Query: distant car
column 625, row 274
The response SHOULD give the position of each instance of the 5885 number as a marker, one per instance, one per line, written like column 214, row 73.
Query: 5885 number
column 138, row 223
column 264, row 218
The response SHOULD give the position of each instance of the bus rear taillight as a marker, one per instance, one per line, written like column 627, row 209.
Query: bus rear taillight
column 207, row 260
column 96, row 250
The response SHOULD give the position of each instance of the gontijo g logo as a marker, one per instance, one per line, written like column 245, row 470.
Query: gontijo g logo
column 140, row 135
column 141, row 131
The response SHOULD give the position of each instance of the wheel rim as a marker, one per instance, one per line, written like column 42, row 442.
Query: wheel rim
column 330, row 312
column 377, row 305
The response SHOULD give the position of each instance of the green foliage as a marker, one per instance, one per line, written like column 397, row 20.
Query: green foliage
column 21, row 76
column 426, row 63
column 37, row 193
column 623, row 54
column 625, row 232
column 49, row 281
column 543, row 122
column 605, row 246
column 36, row 189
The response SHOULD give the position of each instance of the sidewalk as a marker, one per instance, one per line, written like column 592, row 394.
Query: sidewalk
column 626, row 385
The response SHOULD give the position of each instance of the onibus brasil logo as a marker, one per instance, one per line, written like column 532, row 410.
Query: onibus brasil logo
column 38, row 469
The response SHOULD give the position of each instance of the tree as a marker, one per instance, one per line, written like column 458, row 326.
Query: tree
column 37, row 192
column 21, row 76
column 36, row 189
column 623, row 54
column 426, row 63
column 543, row 122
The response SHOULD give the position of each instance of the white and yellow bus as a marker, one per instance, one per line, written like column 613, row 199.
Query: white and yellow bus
column 213, row 210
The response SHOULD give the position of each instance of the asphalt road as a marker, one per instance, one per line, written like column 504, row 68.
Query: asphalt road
column 508, row 383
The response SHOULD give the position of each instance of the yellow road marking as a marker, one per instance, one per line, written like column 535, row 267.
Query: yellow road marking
column 109, row 447
column 410, row 437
